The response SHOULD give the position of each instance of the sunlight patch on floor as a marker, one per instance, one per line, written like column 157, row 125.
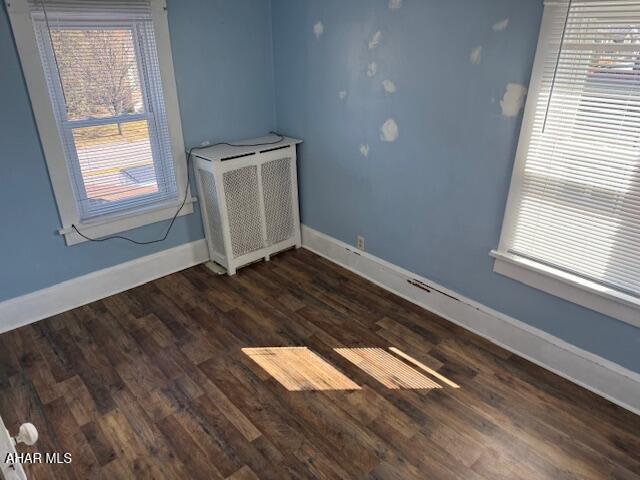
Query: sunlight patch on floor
column 299, row 369
column 392, row 372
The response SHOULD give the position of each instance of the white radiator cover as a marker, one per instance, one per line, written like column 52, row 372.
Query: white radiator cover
column 249, row 200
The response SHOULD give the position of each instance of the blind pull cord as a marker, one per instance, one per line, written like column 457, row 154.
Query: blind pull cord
column 555, row 70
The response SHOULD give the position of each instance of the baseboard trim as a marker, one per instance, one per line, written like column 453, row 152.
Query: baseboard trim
column 603, row 377
column 85, row 289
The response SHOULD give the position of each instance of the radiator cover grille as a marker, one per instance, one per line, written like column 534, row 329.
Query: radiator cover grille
column 276, row 181
column 243, row 208
column 209, row 194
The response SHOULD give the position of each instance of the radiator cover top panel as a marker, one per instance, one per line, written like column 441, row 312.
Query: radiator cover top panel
column 249, row 200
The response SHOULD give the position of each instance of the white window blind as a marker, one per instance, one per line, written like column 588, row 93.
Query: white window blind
column 576, row 203
column 102, row 72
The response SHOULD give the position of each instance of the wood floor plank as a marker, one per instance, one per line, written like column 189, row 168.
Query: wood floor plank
column 245, row 473
column 187, row 450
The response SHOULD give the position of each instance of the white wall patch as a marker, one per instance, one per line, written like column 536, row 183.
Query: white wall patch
column 395, row 4
column 513, row 100
column 501, row 25
column 342, row 94
column 364, row 150
column 389, row 86
column 389, row 131
column 375, row 40
column 318, row 30
column 476, row 55
column 372, row 69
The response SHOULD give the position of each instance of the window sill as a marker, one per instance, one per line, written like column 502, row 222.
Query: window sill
column 570, row 287
column 122, row 223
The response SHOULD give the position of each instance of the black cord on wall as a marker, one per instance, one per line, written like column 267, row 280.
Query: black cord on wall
column 184, row 199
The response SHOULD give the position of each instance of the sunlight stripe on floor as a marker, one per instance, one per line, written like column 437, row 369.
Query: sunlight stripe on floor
column 392, row 372
column 421, row 365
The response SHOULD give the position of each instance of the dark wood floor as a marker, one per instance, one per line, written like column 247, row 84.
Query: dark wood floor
column 153, row 383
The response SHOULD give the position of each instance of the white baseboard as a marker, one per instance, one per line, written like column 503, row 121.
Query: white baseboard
column 604, row 377
column 79, row 291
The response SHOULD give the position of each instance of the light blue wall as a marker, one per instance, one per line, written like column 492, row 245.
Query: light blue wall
column 433, row 201
column 224, row 71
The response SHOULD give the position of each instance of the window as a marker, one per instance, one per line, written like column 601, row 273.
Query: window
column 106, row 109
column 572, row 225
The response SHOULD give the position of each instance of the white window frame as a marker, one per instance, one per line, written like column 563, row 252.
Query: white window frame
column 54, row 152
column 551, row 280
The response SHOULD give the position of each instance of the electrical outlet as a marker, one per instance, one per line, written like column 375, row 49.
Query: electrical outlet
column 360, row 242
